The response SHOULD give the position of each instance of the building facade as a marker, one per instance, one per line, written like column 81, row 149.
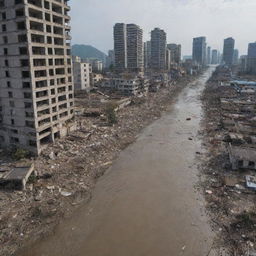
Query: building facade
column 158, row 49
column 36, row 87
column 199, row 50
column 81, row 72
column 228, row 51
column 251, row 58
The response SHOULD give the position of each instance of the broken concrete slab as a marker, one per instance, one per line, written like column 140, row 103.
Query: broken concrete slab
column 17, row 177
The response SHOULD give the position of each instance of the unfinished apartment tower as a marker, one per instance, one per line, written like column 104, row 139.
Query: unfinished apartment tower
column 36, row 88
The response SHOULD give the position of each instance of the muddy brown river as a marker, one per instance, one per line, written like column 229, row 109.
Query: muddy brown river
column 146, row 204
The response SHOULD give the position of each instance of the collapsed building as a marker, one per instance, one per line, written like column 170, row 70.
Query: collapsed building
column 238, row 106
column 126, row 86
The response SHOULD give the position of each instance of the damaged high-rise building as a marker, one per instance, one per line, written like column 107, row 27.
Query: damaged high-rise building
column 36, row 87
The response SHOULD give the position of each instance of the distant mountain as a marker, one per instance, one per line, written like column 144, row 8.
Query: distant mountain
column 88, row 51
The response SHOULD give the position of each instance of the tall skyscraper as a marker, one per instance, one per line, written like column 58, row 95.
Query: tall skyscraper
column 228, row 51
column 158, row 49
column 135, row 60
column 251, row 58
column 128, row 44
column 209, row 57
column 147, row 54
column 236, row 57
column 175, row 53
column 199, row 50
column 215, row 57
column 243, row 63
column 36, row 87
column 120, row 46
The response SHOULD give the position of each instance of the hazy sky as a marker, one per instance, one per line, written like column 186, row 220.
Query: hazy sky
column 93, row 20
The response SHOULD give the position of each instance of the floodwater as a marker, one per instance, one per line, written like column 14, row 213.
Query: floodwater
column 146, row 204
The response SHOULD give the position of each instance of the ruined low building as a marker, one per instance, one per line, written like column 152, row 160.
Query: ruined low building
column 96, row 79
column 243, row 156
column 127, row 86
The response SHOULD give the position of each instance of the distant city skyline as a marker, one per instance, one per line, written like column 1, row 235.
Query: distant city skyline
column 93, row 21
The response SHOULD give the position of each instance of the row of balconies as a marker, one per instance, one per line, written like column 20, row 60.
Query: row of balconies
column 56, row 6
column 37, row 50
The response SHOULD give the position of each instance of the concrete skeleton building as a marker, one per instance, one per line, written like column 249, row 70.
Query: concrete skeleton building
column 158, row 49
column 128, row 47
column 228, row 51
column 175, row 53
column 251, row 58
column 36, row 87
column 82, row 72
column 199, row 50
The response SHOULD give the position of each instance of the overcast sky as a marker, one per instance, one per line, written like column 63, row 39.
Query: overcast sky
column 93, row 20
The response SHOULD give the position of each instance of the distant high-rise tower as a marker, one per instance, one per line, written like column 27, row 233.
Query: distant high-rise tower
column 110, row 60
column 158, row 49
column 215, row 57
column 209, row 55
column 228, row 51
column 36, row 84
column 251, row 58
column 135, row 61
column 199, row 50
column 147, row 54
column 120, row 46
column 236, row 57
column 128, row 47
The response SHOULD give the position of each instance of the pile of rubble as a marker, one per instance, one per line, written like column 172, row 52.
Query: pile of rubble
column 68, row 169
column 228, row 175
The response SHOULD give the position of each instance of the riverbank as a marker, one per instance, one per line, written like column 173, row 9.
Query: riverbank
column 69, row 169
column 230, row 204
